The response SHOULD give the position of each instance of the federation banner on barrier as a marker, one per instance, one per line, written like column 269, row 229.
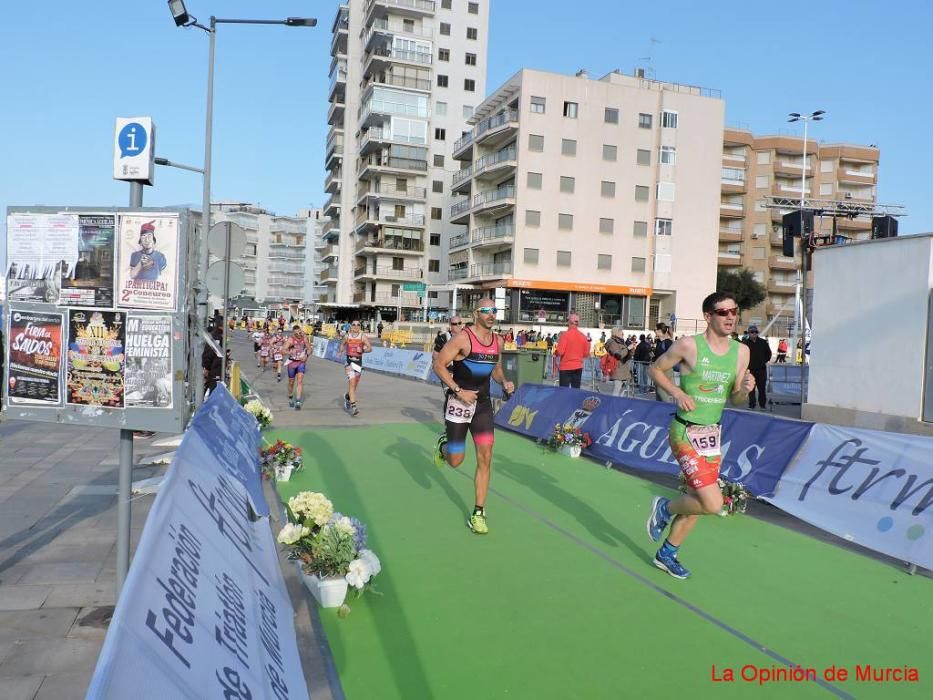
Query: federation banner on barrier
column 633, row 432
column 866, row 486
column 204, row 612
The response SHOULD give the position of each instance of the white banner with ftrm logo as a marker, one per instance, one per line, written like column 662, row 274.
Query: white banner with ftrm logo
column 866, row 486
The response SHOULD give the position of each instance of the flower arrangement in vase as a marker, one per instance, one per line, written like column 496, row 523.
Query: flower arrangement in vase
column 568, row 439
column 331, row 548
column 734, row 496
column 280, row 460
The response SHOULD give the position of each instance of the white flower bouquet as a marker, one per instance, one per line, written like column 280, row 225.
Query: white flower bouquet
column 262, row 414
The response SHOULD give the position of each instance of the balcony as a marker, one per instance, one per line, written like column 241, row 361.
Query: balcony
column 794, row 169
column 332, row 206
column 463, row 147
column 495, row 165
column 370, row 220
column 377, row 164
column 331, row 230
column 389, row 79
column 491, row 269
column 849, row 225
column 493, row 200
column 385, row 272
column 460, row 212
column 730, row 235
column 781, row 287
column 779, row 262
column 333, row 180
column 394, row 246
column 496, row 129
column 458, row 273
column 382, row 57
column 382, row 30
column 729, row 259
column 335, row 113
column 341, row 32
column 338, row 81
column 329, row 253
column 392, row 192
column 733, row 160
column 459, row 241
column 776, row 239
column 407, row 8
column 460, row 182
column 502, row 235
column 375, row 138
column 855, row 177
column 334, row 150
column 731, row 210
column 329, row 274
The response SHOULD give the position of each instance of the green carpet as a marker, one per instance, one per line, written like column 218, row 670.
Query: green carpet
column 543, row 606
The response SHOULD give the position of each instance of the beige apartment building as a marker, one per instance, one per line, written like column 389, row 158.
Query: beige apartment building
column 405, row 76
column 594, row 196
column 751, row 236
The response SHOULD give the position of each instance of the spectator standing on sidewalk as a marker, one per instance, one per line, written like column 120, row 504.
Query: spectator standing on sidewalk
column 759, row 357
column 621, row 374
column 782, row 351
column 572, row 349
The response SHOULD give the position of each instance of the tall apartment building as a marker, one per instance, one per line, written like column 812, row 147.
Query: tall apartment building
column 751, row 236
column 314, row 289
column 597, row 196
column 274, row 259
column 405, row 76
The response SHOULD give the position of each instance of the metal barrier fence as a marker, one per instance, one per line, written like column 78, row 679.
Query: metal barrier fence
column 593, row 378
column 784, row 383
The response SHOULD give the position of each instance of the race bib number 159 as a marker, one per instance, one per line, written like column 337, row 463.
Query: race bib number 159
column 705, row 439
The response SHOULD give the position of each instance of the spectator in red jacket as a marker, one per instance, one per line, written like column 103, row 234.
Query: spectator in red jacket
column 572, row 349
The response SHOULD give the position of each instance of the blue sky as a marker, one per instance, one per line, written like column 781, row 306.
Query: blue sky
column 68, row 69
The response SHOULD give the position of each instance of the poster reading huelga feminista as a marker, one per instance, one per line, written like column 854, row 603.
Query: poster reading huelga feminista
column 35, row 353
column 148, row 262
column 149, row 361
column 96, row 358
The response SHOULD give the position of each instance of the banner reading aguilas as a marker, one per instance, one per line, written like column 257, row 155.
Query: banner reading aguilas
column 35, row 357
column 96, row 358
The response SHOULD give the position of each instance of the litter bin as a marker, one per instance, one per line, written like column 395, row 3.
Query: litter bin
column 531, row 365
column 510, row 365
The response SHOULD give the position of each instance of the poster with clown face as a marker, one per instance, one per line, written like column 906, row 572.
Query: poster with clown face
column 148, row 263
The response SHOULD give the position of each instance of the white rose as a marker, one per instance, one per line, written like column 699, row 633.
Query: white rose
column 358, row 573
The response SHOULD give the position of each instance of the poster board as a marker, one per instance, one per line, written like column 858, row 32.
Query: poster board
column 102, row 316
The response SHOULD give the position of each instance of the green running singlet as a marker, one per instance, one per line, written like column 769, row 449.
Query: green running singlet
column 710, row 383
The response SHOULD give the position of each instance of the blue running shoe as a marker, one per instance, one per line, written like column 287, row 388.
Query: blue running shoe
column 670, row 564
column 656, row 521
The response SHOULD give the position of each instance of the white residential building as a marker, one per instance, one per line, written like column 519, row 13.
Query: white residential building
column 594, row 196
column 405, row 76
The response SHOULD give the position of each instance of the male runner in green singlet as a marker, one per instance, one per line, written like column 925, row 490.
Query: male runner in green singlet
column 714, row 367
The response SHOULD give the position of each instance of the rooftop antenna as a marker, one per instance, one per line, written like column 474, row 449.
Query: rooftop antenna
column 646, row 70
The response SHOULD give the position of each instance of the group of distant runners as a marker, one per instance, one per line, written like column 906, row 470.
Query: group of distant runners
column 713, row 369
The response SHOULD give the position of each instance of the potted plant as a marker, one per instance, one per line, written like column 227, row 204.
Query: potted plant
column 734, row 496
column 280, row 460
column 330, row 548
column 568, row 440
column 262, row 414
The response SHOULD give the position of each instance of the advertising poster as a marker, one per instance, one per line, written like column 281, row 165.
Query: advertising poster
column 96, row 358
column 41, row 248
column 35, row 354
column 90, row 281
column 149, row 361
column 148, row 261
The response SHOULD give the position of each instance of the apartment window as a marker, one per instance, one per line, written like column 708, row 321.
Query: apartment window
column 443, row 54
column 471, row 59
column 643, row 156
column 607, row 189
column 467, row 111
column 567, row 184
column 537, row 105
column 665, row 192
column 445, row 4
column 396, row 290
column 438, row 160
column 432, row 295
column 764, row 157
column 640, row 229
column 472, row 33
column 603, row 262
column 668, row 155
column 761, row 182
column 445, row 29
column 535, row 143
column 668, row 119
column 442, row 80
column 759, row 230
column 606, row 225
column 437, row 213
column 570, row 110
column 568, row 147
column 644, row 121
column 434, row 265
column 440, row 134
column 473, row 8
column 398, row 263
column 758, row 253
column 641, row 193
column 638, row 264
column 611, row 115
column 610, row 153
column 563, row 258
column 531, row 256
column 435, row 239
column 399, row 211
column 826, row 188
column 565, row 222
column 469, row 84
column 662, row 227
column 532, row 217
column 534, row 181
column 440, row 109
column 826, row 166
column 437, row 186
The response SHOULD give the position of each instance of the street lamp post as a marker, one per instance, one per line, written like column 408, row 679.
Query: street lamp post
column 183, row 19
column 800, row 305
